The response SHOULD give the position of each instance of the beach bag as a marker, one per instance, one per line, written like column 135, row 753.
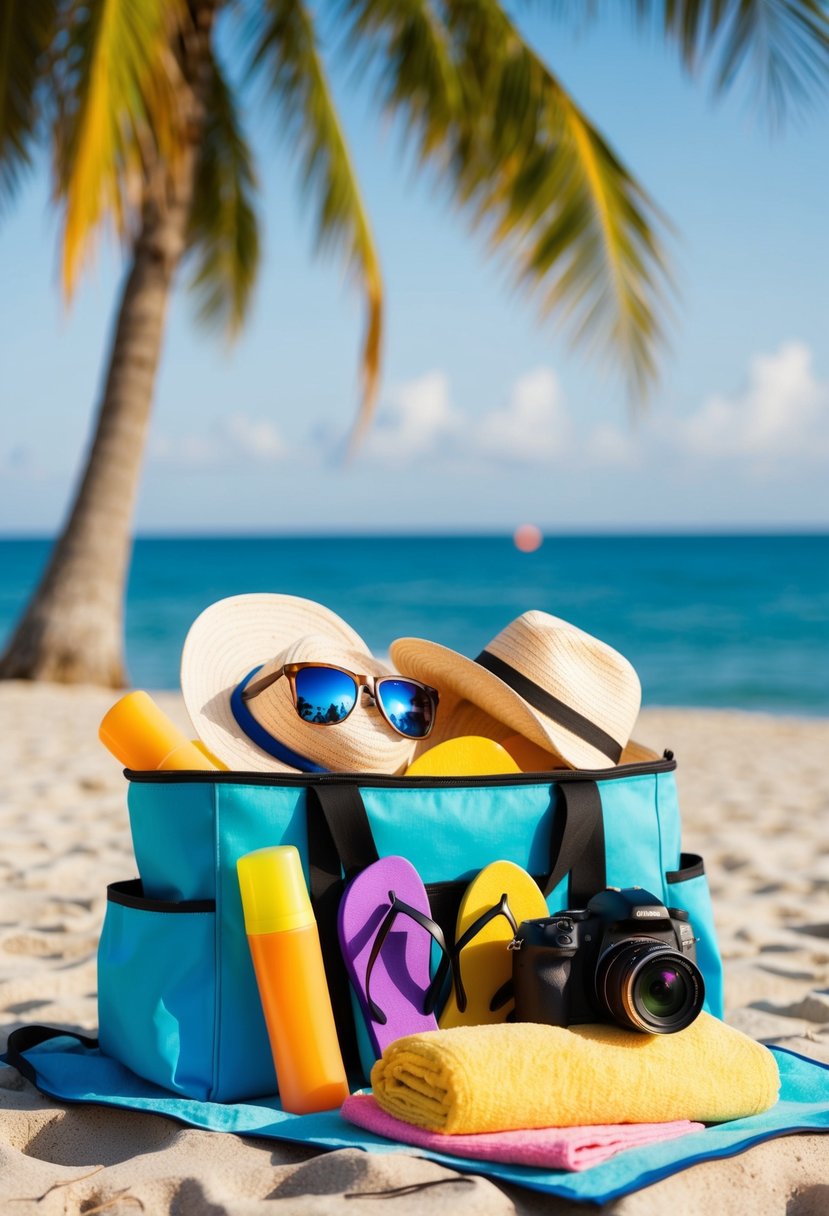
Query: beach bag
column 178, row 1001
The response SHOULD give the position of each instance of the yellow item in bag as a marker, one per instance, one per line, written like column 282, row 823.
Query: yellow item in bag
column 468, row 756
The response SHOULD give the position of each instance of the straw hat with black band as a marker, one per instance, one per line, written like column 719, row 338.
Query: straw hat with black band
column 238, row 641
column 556, row 685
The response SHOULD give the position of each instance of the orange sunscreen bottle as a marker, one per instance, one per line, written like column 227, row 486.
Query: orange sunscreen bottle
column 143, row 738
column 285, row 945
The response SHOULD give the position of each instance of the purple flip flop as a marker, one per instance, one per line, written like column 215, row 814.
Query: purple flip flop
column 386, row 932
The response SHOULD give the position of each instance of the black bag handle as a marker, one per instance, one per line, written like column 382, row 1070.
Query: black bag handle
column 339, row 837
column 577, row 842
column 26, row 1037
column 341, row 808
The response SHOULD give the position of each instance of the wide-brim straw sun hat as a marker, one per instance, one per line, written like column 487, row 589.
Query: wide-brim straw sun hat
column 568, row 692
column 259, row 633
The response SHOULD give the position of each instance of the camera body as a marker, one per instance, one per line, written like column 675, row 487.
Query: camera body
column 625, row 958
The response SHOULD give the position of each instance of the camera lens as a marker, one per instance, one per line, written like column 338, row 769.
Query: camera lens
column 663, row 990
column 645, row 985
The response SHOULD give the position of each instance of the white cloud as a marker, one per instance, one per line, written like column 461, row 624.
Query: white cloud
column 778, row 422
column 230, row 440
column 419, row 420
column 783, row 413
column 532, row 428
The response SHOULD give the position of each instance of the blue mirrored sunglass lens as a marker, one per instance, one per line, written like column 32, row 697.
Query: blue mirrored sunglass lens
column 324, row 696
column 408, row 707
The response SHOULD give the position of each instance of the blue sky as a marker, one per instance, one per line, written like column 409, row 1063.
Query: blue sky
column 487, row 418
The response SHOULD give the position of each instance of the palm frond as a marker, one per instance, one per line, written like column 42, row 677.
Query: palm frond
column 781, row 47
column 531, row 170
column 223, row 229
column 26, row 30
column 287, row 51
column 419, row 73
column 784, row 44
column 116, row 84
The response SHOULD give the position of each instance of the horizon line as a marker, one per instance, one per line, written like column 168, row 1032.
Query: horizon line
column 689, row 531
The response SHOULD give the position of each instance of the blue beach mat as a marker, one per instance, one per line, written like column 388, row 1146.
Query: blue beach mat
column 72, row 1069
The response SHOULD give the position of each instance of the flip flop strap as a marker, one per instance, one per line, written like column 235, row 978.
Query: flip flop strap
column 502, row 908
column 399, row 908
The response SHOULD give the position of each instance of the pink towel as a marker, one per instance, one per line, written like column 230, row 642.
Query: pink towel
column 552, row 1148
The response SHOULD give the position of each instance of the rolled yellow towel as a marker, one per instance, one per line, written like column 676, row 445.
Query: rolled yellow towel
column 521, row 1075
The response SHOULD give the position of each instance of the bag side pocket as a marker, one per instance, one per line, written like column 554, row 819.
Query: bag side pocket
column 687, row 888
column 157, row 988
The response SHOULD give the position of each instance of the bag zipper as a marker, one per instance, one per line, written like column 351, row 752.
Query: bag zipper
column 368, row 780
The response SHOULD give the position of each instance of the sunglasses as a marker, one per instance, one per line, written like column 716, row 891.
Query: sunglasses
column 325, row 695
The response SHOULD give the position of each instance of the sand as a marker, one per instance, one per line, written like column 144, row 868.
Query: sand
column 754, row 792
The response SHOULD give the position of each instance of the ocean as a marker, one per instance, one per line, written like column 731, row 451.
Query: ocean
column 723, row 621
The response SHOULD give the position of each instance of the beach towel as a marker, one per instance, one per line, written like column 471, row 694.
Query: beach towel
column 72, row 1069
column 554, row 1148
column 522, row 1075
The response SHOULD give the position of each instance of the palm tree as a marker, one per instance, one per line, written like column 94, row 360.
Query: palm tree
column 147, row 134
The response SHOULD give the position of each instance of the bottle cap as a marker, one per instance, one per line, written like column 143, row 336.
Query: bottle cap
column 274, row 894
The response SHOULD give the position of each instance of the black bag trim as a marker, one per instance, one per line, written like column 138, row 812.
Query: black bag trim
column 130, row 894
column 26, row 1037
column 368, row 780
column 691, row 866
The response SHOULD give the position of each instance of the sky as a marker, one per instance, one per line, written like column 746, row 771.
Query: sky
column 487, row 418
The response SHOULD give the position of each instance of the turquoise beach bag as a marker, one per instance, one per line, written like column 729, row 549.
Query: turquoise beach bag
column 178, row 1002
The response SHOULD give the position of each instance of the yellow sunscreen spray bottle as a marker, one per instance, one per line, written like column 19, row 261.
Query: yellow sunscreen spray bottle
column 285, row 946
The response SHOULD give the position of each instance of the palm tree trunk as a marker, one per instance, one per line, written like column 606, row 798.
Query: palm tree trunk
column 72, row 629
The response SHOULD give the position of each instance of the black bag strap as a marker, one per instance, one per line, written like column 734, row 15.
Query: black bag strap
column 26, row 1037
column 577, row 842
column 342, row 809
column 339, row 838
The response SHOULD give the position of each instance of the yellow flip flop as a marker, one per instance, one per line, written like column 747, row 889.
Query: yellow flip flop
column 494, row 904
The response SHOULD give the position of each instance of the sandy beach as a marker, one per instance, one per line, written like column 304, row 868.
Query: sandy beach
column 755, row 801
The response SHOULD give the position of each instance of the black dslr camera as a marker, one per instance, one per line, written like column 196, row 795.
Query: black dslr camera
column 624, row 958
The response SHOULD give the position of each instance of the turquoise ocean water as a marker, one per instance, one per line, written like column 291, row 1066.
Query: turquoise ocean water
column 711, row 620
